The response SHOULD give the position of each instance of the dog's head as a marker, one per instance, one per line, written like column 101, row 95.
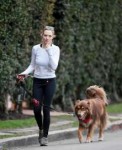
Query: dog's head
column 82, row 109
column 96, row 92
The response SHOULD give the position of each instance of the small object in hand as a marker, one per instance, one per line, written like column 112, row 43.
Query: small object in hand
column 20, row 78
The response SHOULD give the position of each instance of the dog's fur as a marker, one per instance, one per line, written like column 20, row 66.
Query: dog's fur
column 97, row 93
column 91, row 112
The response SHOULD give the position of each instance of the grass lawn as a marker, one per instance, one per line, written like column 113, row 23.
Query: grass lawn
column 20, row 123
column 29, row 122
column 115, row 108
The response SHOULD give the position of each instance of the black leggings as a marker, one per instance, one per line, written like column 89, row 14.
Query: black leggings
column 43, row 91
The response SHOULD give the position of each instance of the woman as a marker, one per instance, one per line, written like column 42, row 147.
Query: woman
column 44, row 62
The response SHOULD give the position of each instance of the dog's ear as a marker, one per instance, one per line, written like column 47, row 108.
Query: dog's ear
column 77, row 101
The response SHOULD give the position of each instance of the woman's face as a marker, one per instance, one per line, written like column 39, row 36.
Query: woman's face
column 47, row 37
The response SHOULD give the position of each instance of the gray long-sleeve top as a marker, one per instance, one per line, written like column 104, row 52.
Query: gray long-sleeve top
column 44, row 61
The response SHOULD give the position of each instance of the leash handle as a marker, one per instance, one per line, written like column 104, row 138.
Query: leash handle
column 20, row 78
column 23, row 76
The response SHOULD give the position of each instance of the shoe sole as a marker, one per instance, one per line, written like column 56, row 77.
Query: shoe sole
column 43, row 145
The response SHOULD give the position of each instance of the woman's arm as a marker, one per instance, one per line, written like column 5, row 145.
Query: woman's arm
column 54, row 55
column 31, row 67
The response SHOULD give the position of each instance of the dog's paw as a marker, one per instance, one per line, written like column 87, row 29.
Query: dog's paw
column 81, row 141
column 88, row 140
column 100, row 139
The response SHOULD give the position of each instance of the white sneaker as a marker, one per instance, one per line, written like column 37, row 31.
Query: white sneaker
column 44, row 141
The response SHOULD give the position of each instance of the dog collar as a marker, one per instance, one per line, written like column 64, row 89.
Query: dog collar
column 87, row 120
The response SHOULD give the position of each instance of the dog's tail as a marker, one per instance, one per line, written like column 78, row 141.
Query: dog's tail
column 103, row 95
column 97, row 92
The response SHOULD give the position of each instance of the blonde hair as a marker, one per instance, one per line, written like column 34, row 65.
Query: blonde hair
column 49, row 28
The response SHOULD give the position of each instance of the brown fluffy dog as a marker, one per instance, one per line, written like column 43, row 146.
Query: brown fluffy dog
column 91, row 112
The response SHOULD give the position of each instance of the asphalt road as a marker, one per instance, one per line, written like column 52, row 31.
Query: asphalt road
column 112, row 141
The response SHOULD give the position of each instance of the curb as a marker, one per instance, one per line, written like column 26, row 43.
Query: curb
column 53, row 136
column 33, row 139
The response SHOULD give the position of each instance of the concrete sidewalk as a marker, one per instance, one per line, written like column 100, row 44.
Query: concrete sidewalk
column 56, row 133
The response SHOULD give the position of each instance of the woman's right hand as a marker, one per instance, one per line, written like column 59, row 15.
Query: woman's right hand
column 20, row 77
